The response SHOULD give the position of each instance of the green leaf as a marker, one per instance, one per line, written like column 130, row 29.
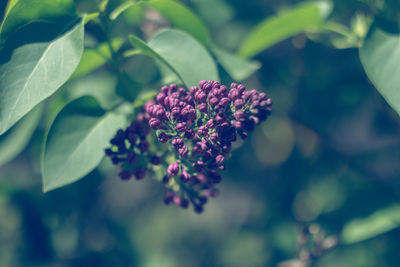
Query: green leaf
column 239, row 69
column 182, row 53
column 94, row 58
column 380, row 56
column 23, row 12
column 177, row 14
column 76, row 140
column 16, row 139
column 376, row 224
column 146, row 50
column 182, row 18
column 282, row 26
column 127, row 87
column 34, row 72
column 99, row 85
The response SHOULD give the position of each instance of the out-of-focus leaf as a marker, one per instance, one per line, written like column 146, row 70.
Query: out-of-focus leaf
column 282, row 26
column 238, row 68
column 22, row 12
column 380, row 56
column 99, row 85
column 127, row 87
column 146, row 50
column 182, row 18
column 177, row 14
column 94, row 58
column 34, row 72
column 76, row 140
column 182, row 53
column 16, row 139
column 378, row 223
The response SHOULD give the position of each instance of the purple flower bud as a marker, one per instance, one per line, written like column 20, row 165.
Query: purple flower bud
column 168, row 197
column 108, row 152
column 181, row 202
column 233, row 94
column 176, row 112
column 177, row 142
column 237, row 124
column 116, row 160
column 239, row 103
column 218, row 119
column 234, row 85
column 173, row 102
column 139, row 173
column 239, row 115
column 164, row 89
column 155, row 124
column 163, row 137
column 173, row 168
column 202, row 83
column 211, row 193
column 172, row 88
column 188, row 113
column 202, row 107
column 183, row 151
column 165, row 179
column 198, row 166
column 160, row 98
column 224, row 102
column 131, row 138
column 143, row 146
column 213, row 101
column 194, row 89
column 182, row 91
column 241, row 88
column 255, row 119
column 210, row 124
column 155, row 160
column 181, row 127
column 214, row 177
column 185, row 176
column 219, row 159
column 125, row 175
column 131, row 158
column 202, row 131
column 189, row 134
column 200, row 96
column 226, row 148
column 214, row 137
column 198, row 209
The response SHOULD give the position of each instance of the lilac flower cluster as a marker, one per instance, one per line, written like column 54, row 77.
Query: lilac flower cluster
column 200, row 126
column 130, row 149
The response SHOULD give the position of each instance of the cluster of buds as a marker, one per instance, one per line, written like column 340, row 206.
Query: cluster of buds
column 200, row 126
column 197, row 128
column 130, row 149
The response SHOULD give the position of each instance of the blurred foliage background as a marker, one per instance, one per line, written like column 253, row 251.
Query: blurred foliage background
column 317, row 183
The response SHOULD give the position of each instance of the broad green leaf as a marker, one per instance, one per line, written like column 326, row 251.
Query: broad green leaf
column 183, row 18
column 127, row 87
column 238, row 68
column 16, row 139
column 146, row 50
column 177, row 14
column 10, row 4
column 376, row 224
column 380, row 56
column 282, row 26
column 34, row 72
column 99, row 85
column 94, row 58
column 24, row 12
column 182, row 53
column 76, row 140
